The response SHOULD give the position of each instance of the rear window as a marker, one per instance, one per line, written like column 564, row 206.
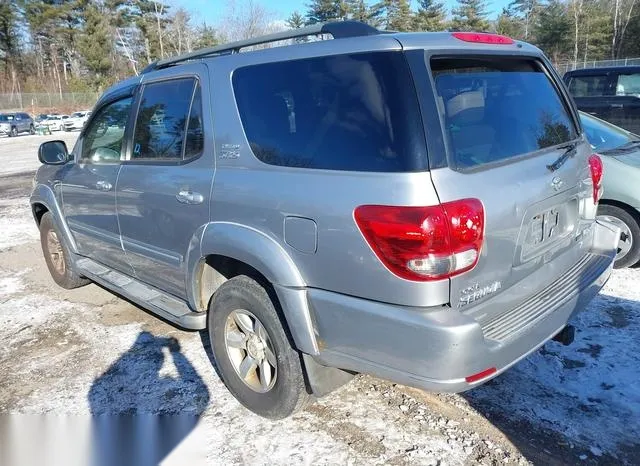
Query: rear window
column 348, row 112
column 589, row 86
column 496, row 109
column 628, row 84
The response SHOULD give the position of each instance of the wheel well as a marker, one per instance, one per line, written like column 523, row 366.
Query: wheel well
column 216, row 269
column 38, row 211
column 626, row 207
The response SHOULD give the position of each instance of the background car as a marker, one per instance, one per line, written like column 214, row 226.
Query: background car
column 55, row 122
column 12, row 124
column 621, row 199
column 76, row 120
column 612, row 94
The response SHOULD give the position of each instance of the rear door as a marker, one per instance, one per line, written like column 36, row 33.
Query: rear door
column 164, row 185
column 506, row 121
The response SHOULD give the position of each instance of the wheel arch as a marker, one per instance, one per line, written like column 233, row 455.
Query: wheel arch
column 229, row 249
column 43, row 200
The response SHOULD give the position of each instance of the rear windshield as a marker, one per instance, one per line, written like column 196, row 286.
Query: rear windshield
column 343, row 112
column 496, row 109
column 6, row 117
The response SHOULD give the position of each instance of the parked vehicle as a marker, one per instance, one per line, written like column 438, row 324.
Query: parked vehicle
column 76, row 120
column 620, row 203
column 299, row 212
column 40, row 118
column 12, row 124
column 55, row 122
column 612, row 94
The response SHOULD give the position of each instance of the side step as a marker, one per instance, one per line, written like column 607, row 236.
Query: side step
column 164, row 305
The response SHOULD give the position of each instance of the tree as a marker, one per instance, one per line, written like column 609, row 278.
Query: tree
column 553, row 30
column 470, row 15
column 622, row 15
column 96, row 46
column 398, row 15
column 430, row 16
column 510, row 25
column 528, row 11
column 321, row 11
column 295, row 20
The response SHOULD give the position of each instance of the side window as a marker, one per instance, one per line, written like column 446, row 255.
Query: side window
column 628, row 84
column 102, row 141
column 356, row 112
column 588, row 86
column 163, row 121
column 195, row 136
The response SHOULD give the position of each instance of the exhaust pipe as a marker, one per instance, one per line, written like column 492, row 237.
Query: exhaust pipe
column 566, row 335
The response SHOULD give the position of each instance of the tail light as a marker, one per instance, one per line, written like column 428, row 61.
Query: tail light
column 483, row 38
column 424, row 243
column 596, row 168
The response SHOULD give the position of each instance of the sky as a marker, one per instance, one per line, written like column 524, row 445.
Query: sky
column 210, row 11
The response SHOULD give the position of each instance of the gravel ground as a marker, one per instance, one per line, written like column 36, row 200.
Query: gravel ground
column 89, row 351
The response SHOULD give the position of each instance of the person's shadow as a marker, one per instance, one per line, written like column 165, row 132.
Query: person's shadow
column 139, row 413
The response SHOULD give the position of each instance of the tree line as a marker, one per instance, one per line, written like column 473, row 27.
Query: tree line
column 86, row 45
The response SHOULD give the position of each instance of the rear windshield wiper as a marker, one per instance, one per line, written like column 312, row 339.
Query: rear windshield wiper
column 570, row 151
column 626, row 147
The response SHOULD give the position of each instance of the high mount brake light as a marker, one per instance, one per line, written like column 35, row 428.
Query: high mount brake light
column 483, row 38
column 424, row 243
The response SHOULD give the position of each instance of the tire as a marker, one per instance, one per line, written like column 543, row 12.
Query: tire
column 287, row 393
column 58, row 258
column 628, row 253
column 32, row 130
column 14, row 132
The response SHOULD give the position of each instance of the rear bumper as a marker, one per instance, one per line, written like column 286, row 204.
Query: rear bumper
column 436, row 348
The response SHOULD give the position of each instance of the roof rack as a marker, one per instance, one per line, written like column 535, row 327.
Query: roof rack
column 338, row 29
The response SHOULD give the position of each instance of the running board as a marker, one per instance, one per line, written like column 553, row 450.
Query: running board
column 156, row 301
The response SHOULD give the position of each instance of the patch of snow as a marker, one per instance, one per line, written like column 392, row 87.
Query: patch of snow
column 590, row 390
column 16, row 223
column 11, row 284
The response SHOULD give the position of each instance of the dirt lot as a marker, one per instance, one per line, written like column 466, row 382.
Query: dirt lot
column 88, row 351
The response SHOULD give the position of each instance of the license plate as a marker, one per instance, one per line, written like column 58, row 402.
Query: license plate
column 544, row 226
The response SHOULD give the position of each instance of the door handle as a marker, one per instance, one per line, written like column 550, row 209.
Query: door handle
column 616, row 105
column 104, row 185
column 188, row 197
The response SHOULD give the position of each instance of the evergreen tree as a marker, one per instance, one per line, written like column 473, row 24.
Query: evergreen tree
column 399, row 17
column 510, row 25
column 470, row 15
column 553, row 31
column 430, row 16
column 321, row 11
column 295, row 21
column 96, row 46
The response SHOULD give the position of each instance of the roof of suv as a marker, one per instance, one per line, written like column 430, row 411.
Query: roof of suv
column 340, row 30
column 602, row 70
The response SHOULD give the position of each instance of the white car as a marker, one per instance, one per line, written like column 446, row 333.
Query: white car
column 76, row 120
column 55, row 122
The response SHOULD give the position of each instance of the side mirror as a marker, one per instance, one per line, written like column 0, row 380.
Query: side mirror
column 53, row 153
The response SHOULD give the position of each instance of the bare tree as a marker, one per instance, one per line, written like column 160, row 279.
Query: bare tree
column 159, row 10
column 622, row 13
column 246, row 19
column 576, row 8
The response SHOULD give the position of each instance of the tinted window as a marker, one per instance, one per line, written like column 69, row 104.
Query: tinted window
column 628, row 84
column 495, row 109
column 588, row 86
column 195, row 136
column 603, row 136
column 347, row 112
column 162, row 120
column 103, row 138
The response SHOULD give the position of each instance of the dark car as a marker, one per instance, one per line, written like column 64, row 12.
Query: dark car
column 612, row 94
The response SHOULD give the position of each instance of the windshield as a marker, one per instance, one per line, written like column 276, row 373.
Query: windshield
column 76, row 115
column 6, row 117
column 603, row 136
column 494, row 109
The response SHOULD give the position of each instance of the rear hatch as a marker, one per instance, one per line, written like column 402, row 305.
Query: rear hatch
column 513, row 143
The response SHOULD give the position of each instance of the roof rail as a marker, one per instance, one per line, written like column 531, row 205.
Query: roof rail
column 338, row 29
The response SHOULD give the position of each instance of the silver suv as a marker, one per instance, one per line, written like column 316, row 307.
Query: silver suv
column 13, row 124
column 420, row 207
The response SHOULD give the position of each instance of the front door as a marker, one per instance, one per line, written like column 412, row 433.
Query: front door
column 165, row 183
column 89, row 186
